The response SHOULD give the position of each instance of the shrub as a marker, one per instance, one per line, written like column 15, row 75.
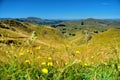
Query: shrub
column 73, row 34
column 82, row 23
column 64, row 29
column 63, row 32
column 75, row 28
column 96, row 31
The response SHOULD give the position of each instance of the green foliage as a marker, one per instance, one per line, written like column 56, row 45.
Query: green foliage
column 72, row 34
column 34, row 35
column 71, row 71
column 96, row 31
column 63, row 32
column 82, row 23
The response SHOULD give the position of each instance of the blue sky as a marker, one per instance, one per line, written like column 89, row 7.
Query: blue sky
column 60, row 9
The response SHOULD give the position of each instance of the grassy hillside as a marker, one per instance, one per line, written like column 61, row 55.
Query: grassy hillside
column 22, row 35
column 11, row 28
column 102, row 46
column 40, row 52
column 90, row 24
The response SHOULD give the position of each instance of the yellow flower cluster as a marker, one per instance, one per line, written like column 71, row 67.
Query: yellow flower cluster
column 77, row 52
column 43, row 63
column 45, row 70
column 47, row 63
column 21, row 54
column 28, row 51
column 27, row 61
column 50, row 63
column 49, row 58
column 85, row 64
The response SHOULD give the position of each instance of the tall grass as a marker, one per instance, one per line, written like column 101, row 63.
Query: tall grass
column 76, row 71
column 18, row 68
column 29, row 61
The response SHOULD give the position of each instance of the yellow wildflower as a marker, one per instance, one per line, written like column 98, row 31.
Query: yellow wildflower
column 66, row 63
column 27, row 61
column 105, row 63
column 28, row 51
column 38, row 47
column 79, row 61
column 77, row 52
column 85, row 64
column 43, row 63
column 49, row 58
column 21, row 54
column 118, row 66
column 45, row 70
column 50, row 64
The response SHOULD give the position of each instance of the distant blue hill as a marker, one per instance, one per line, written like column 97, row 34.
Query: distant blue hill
column 35, row 20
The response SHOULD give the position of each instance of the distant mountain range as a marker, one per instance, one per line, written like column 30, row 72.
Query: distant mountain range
column 116, row 19
column 35, row 20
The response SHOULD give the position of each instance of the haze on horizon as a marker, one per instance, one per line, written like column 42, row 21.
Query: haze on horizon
column 60, row 9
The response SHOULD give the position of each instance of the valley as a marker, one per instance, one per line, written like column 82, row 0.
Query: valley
column 89, row 49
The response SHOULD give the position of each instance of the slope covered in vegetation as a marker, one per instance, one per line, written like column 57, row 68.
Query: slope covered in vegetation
column 90, row 24
column 67, row 52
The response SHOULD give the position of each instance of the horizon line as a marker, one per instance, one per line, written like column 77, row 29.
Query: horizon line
column 59, row 18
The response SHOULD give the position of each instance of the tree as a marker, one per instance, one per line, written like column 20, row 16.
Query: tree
column 82, row 23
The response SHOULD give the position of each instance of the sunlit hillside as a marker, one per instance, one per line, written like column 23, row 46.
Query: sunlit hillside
column 89, row 49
